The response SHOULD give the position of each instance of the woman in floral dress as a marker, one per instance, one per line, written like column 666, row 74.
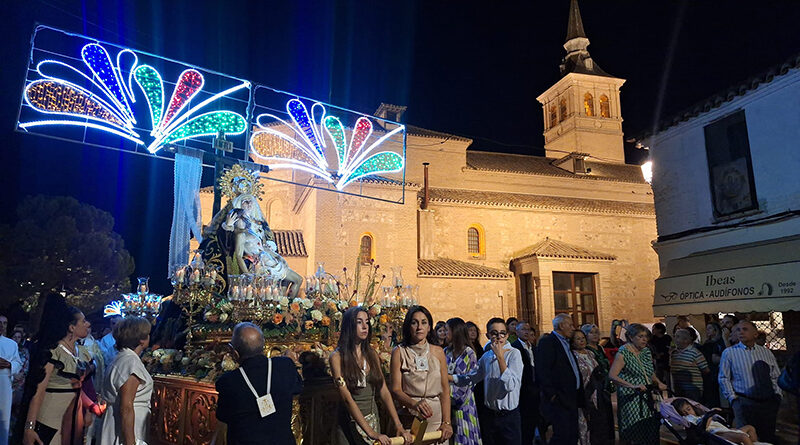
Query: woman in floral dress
column 633, row 371
column 461, row 359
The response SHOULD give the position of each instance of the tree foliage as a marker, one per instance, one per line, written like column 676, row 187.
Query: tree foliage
column 60, row 244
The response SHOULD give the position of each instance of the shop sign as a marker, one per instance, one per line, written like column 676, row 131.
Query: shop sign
column 767, row 281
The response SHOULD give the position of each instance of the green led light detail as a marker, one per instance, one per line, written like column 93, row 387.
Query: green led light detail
column 383, row 162
column 336, row 131
column 209, row 124
column 152, row 86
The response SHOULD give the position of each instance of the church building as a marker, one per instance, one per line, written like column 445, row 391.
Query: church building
column 490, row 234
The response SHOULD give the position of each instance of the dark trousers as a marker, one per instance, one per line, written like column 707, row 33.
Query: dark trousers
column 529, row 418
column 503, row 428
column 564, row 420
column 761, row 414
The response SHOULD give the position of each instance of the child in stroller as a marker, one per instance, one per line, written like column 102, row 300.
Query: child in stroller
column 703, row 426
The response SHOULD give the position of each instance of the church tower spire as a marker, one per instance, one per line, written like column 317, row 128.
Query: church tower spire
column 578, row 59
column 582, row 116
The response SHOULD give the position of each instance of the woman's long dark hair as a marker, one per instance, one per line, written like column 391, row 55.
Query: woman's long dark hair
column 435, row 336
column 475, row 344
column 56, row 318
column 459, row 334
column 432, row 339
column 351, row 369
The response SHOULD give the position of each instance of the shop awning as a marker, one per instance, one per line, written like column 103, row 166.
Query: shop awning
column 754, row 277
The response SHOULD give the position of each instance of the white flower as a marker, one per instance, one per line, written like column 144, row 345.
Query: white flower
column 283, row 302
column 306, row 303
column 223, row 317
column 316, row 315
column 343, row 305
column 377, row 308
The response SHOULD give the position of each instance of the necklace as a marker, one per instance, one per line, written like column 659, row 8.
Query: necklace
column 71, row 354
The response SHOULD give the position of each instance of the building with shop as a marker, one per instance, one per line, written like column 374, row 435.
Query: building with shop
column 493, row 234
column 727, row 204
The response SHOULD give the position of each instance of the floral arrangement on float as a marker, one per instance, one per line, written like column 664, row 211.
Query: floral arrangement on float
column 309, row 322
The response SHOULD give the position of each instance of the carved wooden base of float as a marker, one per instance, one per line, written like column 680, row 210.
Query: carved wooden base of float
column 184, row 412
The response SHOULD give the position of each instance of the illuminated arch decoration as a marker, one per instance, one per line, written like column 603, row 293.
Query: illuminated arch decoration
column 110, row 106
column 302, row 144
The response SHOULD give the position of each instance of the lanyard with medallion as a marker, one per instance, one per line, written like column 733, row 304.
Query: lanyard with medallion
column 265, row 404
column 421, row 361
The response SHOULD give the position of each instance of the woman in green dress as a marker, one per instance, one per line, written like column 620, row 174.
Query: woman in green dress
column 357, row 373
column 633, row 371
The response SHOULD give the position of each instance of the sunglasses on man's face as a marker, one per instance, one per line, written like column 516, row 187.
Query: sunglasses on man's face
column 498, row 333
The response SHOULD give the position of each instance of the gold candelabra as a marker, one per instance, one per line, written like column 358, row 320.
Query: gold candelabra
column 196, row 286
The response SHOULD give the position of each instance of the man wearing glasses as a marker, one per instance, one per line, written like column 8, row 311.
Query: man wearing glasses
column 500, row 368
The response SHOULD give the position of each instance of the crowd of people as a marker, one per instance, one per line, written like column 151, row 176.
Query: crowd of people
column 509, row 386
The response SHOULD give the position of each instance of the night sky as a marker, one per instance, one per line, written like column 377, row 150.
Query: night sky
column 469, row 68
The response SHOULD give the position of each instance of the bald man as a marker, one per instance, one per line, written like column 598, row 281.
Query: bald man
column 255, row 401
column 748, row 378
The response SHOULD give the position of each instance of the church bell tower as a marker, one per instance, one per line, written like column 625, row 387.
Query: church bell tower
column 582, row 110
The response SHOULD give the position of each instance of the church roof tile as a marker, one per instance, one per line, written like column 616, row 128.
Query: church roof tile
column 290, row 243
column 550, row 248
column 538, row 165
column 521, row 200
column 446, row 267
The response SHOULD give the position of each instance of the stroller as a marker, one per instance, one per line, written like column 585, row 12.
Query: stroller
column 688, row 433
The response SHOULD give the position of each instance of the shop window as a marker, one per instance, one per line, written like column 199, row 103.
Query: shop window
column 553, row 116
column 730, row 169
column 367, row 249
column 562, row 108
column 588, row 104
column 770, row 330
column 574, row 294
column 605, row 108
column 476, row 241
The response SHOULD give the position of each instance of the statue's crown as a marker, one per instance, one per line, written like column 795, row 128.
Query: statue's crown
column 237, row 180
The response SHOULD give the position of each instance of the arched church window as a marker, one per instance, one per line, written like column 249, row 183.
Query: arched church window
column 366, row 249
column 476, row 241
column 473, row 241
column 588, row 104
column 562, row 108
column 553, row 116
column 605, row 108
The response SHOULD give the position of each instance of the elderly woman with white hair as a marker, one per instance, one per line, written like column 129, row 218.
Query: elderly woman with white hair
column 634, row 372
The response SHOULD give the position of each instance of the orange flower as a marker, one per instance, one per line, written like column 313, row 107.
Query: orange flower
column 309, row 324
column 332, row 307
column 294, row 307
column 277, row 318
column 353, row 303
column 384, row 319
column 326, row 321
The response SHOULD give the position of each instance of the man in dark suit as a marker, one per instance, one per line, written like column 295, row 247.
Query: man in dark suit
column 559, row 381
column 529, row 394
column 250, row 422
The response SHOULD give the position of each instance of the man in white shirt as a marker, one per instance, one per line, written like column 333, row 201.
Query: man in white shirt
column 748, row 378
column 500, row 368
column 529, row 394
column 107, row 343
column 10, row 364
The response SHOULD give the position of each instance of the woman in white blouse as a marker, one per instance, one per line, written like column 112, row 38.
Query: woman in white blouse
column 128, row 386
